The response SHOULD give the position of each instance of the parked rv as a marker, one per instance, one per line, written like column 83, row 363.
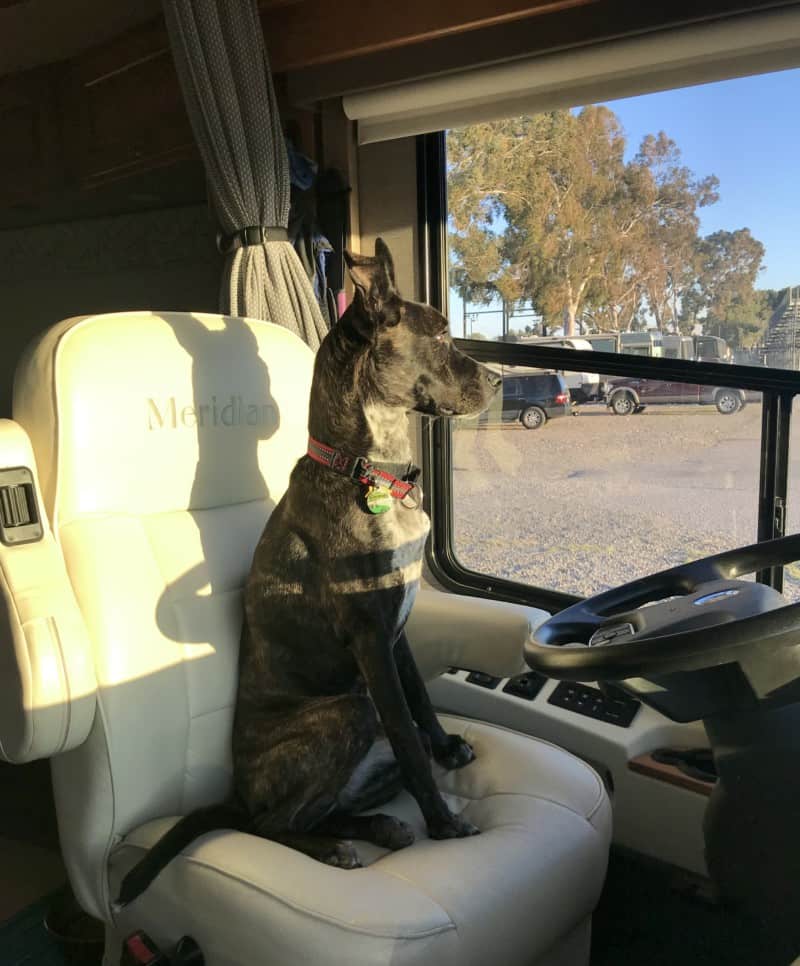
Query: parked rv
column 603, row 341
column 711, row 348
column 583, row 386
column 647, row 343
column 678, row 347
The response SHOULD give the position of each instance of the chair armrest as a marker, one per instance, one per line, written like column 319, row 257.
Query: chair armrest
column 448, row 630
column 47, row 679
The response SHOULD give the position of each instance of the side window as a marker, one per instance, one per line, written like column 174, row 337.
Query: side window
column 581, row 504
column 621, row 218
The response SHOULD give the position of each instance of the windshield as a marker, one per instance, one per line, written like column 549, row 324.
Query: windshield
column 651, row 219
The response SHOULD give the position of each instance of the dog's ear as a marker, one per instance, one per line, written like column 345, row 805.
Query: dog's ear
column 382, row 252
column 373, row 277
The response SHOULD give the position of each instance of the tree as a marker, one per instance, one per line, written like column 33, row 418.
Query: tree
column 747, row 320
column 672, row 194
column 548, row 181
column 723, row 293
column 545, row 208
column 615, row 294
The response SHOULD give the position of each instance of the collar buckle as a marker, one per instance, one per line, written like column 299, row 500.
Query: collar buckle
column 361, row 466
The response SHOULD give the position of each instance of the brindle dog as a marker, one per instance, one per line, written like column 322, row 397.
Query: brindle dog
column 332, row 716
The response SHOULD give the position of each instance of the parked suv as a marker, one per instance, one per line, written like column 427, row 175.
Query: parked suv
column 625, row 396
column 534, row 398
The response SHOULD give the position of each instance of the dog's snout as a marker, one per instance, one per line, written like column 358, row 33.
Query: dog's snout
column 495, row 381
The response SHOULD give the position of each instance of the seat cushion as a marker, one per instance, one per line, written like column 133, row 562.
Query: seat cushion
column 508, row 895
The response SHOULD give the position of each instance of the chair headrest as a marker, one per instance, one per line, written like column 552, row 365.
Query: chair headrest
column 147, row 412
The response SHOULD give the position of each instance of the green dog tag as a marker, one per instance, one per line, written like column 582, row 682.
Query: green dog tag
column 379, row 499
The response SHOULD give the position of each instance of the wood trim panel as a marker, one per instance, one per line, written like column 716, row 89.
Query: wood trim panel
column 117, row 110
column 319, row 32
column 123, row 109
column 31, row 162
column 549, row 31
column 647, row 765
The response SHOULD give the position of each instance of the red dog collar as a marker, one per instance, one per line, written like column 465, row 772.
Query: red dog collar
column 361, row 470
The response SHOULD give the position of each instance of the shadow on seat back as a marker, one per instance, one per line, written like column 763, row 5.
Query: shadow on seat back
column 163, row 441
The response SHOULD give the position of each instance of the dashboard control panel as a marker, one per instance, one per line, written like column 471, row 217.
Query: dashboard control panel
column 582, row 699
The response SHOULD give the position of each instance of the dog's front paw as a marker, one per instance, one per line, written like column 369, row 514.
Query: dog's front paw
column 456, row 827
column 454, row 752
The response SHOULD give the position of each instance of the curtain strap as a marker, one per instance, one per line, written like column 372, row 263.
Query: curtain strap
column 251, row 235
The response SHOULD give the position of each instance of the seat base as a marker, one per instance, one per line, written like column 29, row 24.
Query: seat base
column 571, row 950
column 521, row 892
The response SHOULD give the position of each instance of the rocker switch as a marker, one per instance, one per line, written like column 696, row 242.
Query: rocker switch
column 484, row 680
column 526, row 686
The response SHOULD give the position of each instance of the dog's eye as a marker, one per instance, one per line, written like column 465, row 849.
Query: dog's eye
column 440, row 337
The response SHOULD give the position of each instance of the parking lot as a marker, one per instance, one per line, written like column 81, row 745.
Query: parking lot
column 592, row 501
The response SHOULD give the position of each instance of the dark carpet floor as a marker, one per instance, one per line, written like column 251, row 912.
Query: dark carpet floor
column 24, row 941
column 654, row 915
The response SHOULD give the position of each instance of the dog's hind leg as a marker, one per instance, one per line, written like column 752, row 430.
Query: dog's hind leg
column 292, row 771
column 388, row 831
column 375, row 781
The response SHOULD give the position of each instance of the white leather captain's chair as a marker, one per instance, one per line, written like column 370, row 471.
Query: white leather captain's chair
column 161, row 443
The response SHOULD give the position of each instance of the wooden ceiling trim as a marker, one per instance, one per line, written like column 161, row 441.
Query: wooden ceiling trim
column 310, row 32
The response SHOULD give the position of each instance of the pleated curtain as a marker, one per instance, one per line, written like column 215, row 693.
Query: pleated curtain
column 222, row 65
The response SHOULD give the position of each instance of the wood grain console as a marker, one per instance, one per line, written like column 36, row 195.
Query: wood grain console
column 647, row 765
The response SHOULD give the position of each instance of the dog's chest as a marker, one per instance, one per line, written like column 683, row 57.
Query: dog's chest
column 403, row 532
column 387, row 552
column 406, row 532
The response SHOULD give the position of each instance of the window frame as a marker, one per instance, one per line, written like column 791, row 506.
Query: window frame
column 778, row 388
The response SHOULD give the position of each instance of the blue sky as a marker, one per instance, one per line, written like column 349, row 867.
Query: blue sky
column 744, row 131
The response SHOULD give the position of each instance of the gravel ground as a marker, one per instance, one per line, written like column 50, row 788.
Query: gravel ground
column 591, row 502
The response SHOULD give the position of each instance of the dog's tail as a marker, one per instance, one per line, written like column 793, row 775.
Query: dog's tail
column 185, row 831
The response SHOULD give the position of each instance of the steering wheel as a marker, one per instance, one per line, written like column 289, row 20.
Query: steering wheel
column 694, row 616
